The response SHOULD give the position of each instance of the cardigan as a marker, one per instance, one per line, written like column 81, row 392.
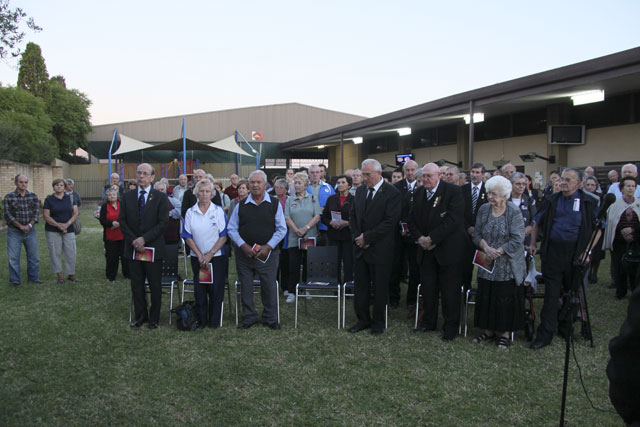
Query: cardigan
column 614, row 213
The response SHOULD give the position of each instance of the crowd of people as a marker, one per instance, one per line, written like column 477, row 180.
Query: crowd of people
column 430, row 225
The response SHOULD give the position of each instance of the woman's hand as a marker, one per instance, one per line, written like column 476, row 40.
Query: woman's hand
column 627, row 234
column 300, row 232
column 492, row 253
column 115, row 224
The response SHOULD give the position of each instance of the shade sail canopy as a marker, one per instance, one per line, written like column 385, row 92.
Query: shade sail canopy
column 229, row 144
column 127, row 145
column 177, row 145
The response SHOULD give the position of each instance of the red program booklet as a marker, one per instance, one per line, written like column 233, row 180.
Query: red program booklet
column 482, row 260
column 206, row 275
column 148, row 255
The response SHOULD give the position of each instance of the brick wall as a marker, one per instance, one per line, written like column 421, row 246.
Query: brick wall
column 40, row 177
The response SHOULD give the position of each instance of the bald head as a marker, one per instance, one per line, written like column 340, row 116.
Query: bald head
column 430, row 176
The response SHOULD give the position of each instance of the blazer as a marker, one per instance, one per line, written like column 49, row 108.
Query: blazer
column 470, row 217
column 333, row 204
column 152, row 224
column 377, row 223
column 407, row 199
column 443, row 223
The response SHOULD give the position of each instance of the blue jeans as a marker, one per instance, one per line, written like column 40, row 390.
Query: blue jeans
column 15, row 239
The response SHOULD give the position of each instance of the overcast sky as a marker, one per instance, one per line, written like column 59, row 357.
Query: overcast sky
column 140, row 59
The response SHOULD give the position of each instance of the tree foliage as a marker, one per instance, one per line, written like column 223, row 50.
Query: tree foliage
column 33, row 76
column 69, row 113
column 11, row 33
column 25, row 127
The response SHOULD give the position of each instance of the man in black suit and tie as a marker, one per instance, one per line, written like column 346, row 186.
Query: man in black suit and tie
column 144, row 214
column 474, row 195
column 373, row 218
column 405, row 251
column 436, row 223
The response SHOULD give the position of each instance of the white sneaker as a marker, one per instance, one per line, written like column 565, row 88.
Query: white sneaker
column 291, row 298
column 285, row 293
column 307, row 293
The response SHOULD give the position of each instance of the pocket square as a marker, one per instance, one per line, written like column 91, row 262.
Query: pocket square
column 443, row 214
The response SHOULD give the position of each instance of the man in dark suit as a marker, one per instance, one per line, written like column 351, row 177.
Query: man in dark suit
column 189, row 199
column 373, row 218
column 474, row 195
column 144, row 213
column 436, row 223
column 405, row 252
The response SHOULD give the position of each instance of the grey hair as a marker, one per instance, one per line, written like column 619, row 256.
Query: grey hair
column 70, row 181
column 635, row 168
column 258, row 172
column 578, row 173
column 159, row 184
column 282, row 182
column 110, row 190
column 478, row 166
column 517, row 175
column 500, row 185
column 202, row 182
column 591, row 178
column 408, row 162
column 377, row 167
column 504, row 166
column 118, row 176
column 210, row 177
column 303, row 176
column 454, row 168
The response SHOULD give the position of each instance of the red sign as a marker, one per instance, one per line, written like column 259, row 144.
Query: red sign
column 256, row 135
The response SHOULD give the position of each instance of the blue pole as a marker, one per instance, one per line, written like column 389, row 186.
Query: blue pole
column 115, row 134
column 184, row 147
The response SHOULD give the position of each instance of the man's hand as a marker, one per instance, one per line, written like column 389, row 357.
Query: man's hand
column 527, row 230
column 426, row 243
column 263, row 252
column 246, row 250
column 138, row 244
column 360, row 240
column 532, row 249
column 25, row 228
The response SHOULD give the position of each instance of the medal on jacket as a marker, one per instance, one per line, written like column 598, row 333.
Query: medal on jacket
column 482, row 196
column 435, row 203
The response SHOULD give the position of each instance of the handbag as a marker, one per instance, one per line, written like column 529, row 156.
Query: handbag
column 77, row 225
column 632, row 254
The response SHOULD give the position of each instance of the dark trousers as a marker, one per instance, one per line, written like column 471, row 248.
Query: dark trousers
column 210, row 297
column 151, row 271
column 440, row 282
column 557, row 270
column 626, row 275
column 114, row 250
column 247, row 269
column 404, row 254
column 467, row 264
column 345, row 258
column 368, row 277
column 283, row 269
column 296, row 259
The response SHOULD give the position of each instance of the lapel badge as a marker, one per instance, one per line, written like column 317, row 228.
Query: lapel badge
column 435, row 203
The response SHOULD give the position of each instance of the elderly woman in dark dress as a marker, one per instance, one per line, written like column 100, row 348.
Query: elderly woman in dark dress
column 499, row 233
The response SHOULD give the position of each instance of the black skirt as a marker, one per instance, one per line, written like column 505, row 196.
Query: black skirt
column 499, row 306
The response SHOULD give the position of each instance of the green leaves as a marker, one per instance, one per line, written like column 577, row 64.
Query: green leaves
column 11, row 34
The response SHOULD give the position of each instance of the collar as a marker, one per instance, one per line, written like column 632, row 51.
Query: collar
column 249, row 199
column 409, row 184
column 575, row 195
column 434, row 188
column 377, row 186
column 147, row 189
column 479, row 187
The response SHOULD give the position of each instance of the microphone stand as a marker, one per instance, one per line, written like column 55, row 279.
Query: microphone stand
column 570, row 305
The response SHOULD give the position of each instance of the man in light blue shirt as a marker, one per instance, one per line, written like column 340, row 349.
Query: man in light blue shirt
column 256, row 227
column 627, row 170
column 321, row 192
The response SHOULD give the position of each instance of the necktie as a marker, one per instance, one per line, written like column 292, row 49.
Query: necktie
column 429, row 194
column 474, row 199
column 141, row 203
column 369, row 197
column 411, row 187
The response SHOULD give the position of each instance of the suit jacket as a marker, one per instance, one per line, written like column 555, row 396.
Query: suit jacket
column 470, row 217
column 443, row 222
column 152, row 224
column 377, row 223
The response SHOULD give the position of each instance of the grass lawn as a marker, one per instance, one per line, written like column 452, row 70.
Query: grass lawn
column 68, row 357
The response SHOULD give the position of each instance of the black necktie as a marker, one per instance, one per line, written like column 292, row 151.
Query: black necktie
column 369, row 197
column 141, row 203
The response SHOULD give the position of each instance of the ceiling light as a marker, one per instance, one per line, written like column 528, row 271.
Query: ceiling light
column 357, row 140
column 477, row 118
column 588, row 97
column 320, row 147
column 404, row 131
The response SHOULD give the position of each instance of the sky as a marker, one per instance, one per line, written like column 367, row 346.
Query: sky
column 142, row 59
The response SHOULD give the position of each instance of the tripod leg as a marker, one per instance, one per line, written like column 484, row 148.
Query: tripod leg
column 586, row 319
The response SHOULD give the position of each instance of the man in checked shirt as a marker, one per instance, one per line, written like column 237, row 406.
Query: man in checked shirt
column 21, row 213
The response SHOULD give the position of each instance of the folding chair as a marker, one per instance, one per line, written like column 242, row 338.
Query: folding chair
column 190, row 282
column 350, row 286
column 322, row 265
column 168, row 280
column 256, row 284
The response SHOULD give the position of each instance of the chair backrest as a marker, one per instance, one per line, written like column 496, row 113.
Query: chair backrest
column 170, row 264
column 322, row 264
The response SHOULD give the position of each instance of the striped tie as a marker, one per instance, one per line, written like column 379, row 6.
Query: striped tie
column 429, row 194
column 474, row 199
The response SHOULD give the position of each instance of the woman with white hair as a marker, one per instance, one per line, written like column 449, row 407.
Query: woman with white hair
column 499, row 233
column 205, row 232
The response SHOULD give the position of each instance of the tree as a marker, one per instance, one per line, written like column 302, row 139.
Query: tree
column 24, row 127
column 70, row 117
column 33, row 76
column 11, row 34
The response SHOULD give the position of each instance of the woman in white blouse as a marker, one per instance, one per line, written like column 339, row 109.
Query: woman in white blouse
column 205, row 231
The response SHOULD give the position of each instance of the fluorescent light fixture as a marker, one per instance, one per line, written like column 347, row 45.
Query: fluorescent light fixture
column 357, row 140
column 320, row 147
column 404, row 131
column 477, row 118
column 588, row 97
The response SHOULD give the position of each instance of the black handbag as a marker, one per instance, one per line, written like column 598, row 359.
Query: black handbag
column 632, row 254
column 76, row 226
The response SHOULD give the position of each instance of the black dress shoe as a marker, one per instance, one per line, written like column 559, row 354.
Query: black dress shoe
column 138, row 323
column 358, row 327
column 447, row 338
column 15, row 283
column 419, row 329
column 152, row 325
column 36, row 281
column 275, row 326
column 246, row 325
column 537, row 345
column 376, row 331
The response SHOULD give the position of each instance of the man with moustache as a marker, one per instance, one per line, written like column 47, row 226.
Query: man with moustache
column 144, row 213
column 373, row 218
column 436, row 223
